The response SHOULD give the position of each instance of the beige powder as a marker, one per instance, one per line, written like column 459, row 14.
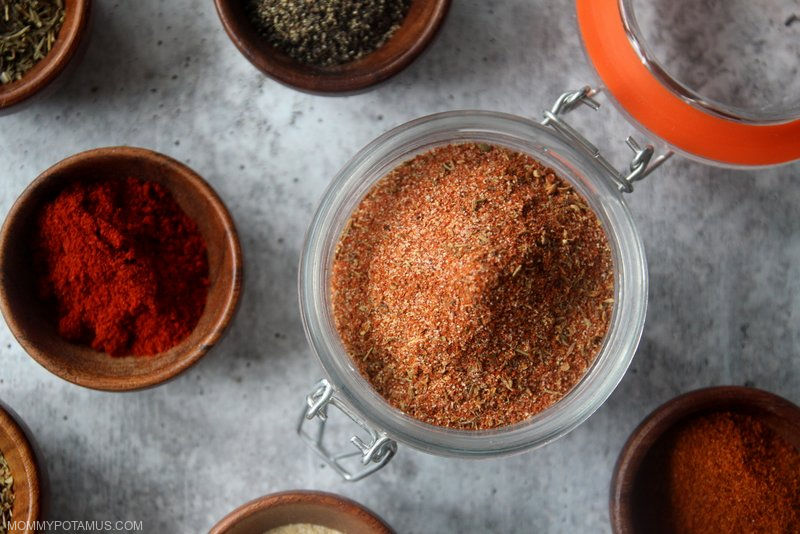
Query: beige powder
column 302, row 528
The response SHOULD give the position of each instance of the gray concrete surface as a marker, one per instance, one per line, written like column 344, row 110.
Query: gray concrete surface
column 723, row 248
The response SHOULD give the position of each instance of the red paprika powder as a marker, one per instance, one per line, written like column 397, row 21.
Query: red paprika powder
column 718, row 473
column 124, row 267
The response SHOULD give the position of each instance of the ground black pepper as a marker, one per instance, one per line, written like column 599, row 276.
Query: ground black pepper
column 327, row 32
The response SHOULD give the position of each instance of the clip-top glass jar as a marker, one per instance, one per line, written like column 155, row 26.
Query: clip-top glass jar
column 666, row 111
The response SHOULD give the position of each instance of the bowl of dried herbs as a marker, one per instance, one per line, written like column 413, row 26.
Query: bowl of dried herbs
column 38, row 39
column 21, row 477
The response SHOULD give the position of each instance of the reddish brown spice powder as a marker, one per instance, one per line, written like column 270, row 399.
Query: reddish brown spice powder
column 472, row 286
column 721, row 472
column 124, row 267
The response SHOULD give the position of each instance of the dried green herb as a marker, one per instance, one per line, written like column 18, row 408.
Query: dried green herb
column 327, row 32
column 6, row 495
column 28, row 29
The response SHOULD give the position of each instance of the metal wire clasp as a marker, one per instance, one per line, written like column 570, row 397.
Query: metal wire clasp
column 374, row 455
column 643, row 162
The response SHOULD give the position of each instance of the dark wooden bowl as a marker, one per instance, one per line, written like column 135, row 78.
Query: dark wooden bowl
column 32, row 325
column 421, row 24
column 314, row 507
column 776, row 412
column 76, row 22
column 28, row 474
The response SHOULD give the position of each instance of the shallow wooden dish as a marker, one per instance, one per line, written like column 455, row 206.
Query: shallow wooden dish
column 422, row 22
column 26, row 314
column 775, row 411
column 315, row 507
column 67, row 44
column 28, row 476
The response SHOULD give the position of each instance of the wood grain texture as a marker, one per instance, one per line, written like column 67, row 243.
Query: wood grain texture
column 19, row 453
column 66, row 47
column 27, row 316
column 286, row 508
column 422, row 22
column 774, row 411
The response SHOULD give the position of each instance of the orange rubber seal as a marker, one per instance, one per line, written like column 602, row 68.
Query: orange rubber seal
column 686, row 127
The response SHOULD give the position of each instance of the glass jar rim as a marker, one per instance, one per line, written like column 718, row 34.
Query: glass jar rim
column 656, row 109
column 404, row 141
column 768, row 115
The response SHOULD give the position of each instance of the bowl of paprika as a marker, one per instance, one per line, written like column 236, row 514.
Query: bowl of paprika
column 119, row 268
column 719, row 459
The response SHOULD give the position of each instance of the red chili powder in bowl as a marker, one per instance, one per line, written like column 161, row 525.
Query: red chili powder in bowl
column 472, row 286
column 124, row 268
column 717, row 473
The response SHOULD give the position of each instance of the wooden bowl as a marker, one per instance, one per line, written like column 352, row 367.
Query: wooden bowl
column 76, row 22
column 27, row 316
column 422, row 22
column 778, row 413
column 25, row 468
column 314, row 507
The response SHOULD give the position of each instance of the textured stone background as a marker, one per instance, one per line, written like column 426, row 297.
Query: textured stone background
column 723, row 248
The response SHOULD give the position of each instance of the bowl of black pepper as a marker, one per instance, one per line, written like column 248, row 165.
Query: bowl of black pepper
column 38, row 40
column 331, row 46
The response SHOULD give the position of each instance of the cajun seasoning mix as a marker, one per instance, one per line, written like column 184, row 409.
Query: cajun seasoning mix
column 472, row 286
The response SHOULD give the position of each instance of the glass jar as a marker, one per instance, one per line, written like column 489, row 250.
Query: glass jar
column 656, row 85
column 374, row 162
column 674, row 121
